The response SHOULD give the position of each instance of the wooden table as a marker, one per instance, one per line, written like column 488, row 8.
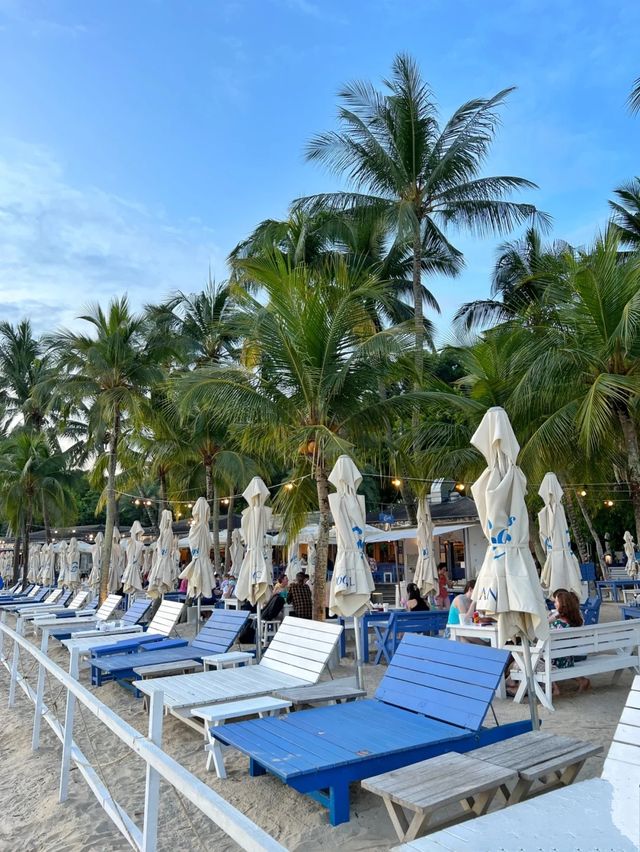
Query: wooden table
column 425, row 787
column 230, row 659
column 477, row 631
column 164, row 669
column 538, row 756
column 327, row 692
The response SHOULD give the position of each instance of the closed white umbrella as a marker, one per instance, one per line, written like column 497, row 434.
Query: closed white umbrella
column 237, row 553
column 34, row 563
column 132, row 577
column 115, row 565
column 73, row 564
column 311, row 563
column 47, row 561
column 254, row 578
column 161, row 577
column 351, row 583
column 561, row 569
column 63, row 578
column 507, row 586
column 630, row 552
column 293, row 560
column 426, row 573
column 96, row 564
column 199, row 572
column 175, row 558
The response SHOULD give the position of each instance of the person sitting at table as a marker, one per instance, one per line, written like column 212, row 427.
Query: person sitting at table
column 415, row 601
column 459, row 610
column 300, row 596
column 280, row 587
column 567, row 615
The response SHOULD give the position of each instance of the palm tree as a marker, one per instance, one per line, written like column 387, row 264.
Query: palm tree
column 634, row 97
column 421, row 175
column 30, row 476
column 520, row 277
column 309, row 391
column 626, row 213
column 25, row 372
column 583, row 378
column 109, row 373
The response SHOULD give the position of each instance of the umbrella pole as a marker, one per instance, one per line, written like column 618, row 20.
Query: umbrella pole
column 531, row 688
column 258, row 633
column 198, row 605
column 359, row 664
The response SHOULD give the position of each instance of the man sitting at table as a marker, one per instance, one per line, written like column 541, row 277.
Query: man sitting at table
column 300, row 596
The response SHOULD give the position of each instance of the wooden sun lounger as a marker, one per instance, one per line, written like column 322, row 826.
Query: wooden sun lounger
column 217, row 636
column 601, row 813
column 432, row 699
column 297, row 656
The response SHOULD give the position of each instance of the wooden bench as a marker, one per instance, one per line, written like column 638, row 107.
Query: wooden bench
column 217, row 714
column 389, row 633
column 608, row 647
column 474, row 779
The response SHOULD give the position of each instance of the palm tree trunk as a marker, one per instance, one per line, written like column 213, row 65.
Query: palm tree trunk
column 111, row 505
column 576, row 531
column 215, row 520
column 227, row 552
column 322, row 549
column 418, row 316
column 28, row 519
column 45, row 521
column 534, row 539
column 633, row 464
column 16, row 557
column 594, row 536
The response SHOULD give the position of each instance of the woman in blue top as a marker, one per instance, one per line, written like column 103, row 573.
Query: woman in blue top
column 461, row 604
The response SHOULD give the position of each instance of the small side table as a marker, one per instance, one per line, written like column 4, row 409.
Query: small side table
column 327, row 692
column 230, row 660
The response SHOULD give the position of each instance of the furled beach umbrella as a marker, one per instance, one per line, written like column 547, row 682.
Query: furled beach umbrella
column 175, row 559
column 507, row 586
column 147, row 561
column 161, row 577
column 254, row 578
column 237, row 553
column 311, row 561
column 351, row 583
column 73, row 564
column 47, row 562
column 34, row 563
column 561, row 569
column 630, row 551
column 199, row 572
column 96, row 564
column 132, row 577
column 426, row 573
column 63, row 565
column 115, row 565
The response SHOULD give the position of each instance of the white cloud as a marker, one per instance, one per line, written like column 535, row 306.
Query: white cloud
column 63, row 246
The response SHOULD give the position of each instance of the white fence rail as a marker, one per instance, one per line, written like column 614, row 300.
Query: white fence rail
column 158, row 763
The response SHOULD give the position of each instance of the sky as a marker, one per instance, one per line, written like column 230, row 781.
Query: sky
column 140, row 141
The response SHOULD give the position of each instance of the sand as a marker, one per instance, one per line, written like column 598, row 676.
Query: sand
column 32, row 820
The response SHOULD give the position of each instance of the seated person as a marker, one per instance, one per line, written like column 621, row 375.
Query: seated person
column 567, row 614
column 415, row 601
column 228, row 586
column 281, row 585
column 300, row 596
column 459, row 611
column 274, row 609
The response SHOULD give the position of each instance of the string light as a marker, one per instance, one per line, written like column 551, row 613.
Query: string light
column 608, row 503
column 582, row 492
column 397, row 482
column 136, row 502
column 460, row 486
column 225, row 502
column 289, row 486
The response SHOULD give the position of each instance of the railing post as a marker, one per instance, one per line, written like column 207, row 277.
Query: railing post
column 152, row 787
column 14, row 668
column 3, row 620
column 67, row 742
column 37, row 719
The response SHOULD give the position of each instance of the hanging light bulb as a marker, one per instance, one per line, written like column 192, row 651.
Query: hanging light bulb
column 397, row 482
column 460, row 486
column 225, row 501
column 136, row 502
column 189, row 505
column 289, row 486
column 608, row 503
column 582, row 492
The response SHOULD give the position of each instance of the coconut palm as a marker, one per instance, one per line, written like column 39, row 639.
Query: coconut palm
column 109, row 372
column 424, row 176
column 523, row 270
column 311, row 387
column 634, row 97
column 626, row 213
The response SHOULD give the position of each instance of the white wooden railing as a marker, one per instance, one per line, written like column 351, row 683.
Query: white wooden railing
column 158, row 763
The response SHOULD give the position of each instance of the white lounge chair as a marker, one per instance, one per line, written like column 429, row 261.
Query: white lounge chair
column 297, row 656
column 601, row 813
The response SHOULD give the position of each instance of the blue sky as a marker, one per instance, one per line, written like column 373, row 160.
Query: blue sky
column 139, row 141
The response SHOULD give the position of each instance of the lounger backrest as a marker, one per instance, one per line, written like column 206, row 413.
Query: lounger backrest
column 302, row 648
column 65, row 597
column 622, row 765
column 55, row 597
column 137, row 611
column 40, row 595
column 166, row 618
column 33, row 591
column 449, row 681
column 79, row 599
column 220, row 631
column 110, row 605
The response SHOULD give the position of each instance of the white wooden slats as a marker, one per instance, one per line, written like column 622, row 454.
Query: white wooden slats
column 166, row 618
column 110, row 605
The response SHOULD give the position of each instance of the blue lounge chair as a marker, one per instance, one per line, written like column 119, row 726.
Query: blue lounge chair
column 432, row 699
column 160, row 627
column 26, row 600
column 217, row 636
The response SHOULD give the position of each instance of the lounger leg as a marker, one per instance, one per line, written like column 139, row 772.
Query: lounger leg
column 339, row 804
column 255, row 769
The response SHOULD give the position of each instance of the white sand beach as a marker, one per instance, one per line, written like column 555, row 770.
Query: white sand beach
column 31, row 819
